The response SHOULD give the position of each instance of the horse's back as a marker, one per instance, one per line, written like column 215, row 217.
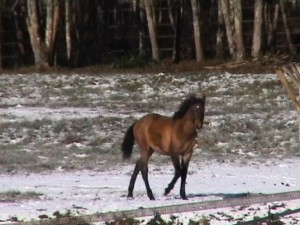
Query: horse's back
column 152, row 122
column 153, row 130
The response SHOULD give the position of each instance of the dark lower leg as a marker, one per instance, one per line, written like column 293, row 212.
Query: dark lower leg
column 176, row 176
column 173, row 182
column 184, row 168
column 145, row 178
column 183, row 180
column 133, row 179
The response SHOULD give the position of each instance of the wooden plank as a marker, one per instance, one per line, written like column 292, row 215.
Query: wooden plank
column 298, row 69
column 290, row 74
column 243, row 200
column 288, row 89
column 294, row 74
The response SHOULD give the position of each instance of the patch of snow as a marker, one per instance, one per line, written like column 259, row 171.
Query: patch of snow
column 87, row 192
column 106, row 191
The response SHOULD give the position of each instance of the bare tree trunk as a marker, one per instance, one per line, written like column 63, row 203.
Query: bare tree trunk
column 239, row 40
column 257, row 28
column 49, row 24
column 151, row 27
column 271, row 23
column 197, row 32
column 286, row 28
column 142, row 34
column 32, row 21
column 220, row 33
column 276, row 15
column 76, row 21
column 229, row 28
column 51, row 27
column 172, row 22
column 170, row 13
column 68, row 29
column 178, row 31
column 140, row 18
column 56, row 18
column 38, row 47
column 0, row 39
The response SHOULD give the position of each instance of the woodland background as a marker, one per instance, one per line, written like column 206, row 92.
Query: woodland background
column 78, row 33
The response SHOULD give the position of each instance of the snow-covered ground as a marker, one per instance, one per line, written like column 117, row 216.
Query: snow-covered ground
column 60, row 138
column 88, row 192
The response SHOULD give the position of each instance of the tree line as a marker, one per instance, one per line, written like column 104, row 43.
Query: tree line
column 47, row 33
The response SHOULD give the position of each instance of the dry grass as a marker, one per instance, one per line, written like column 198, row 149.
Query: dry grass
column 13, row 196
column 251, row 118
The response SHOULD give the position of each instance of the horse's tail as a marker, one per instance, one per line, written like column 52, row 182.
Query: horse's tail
column 128, row 143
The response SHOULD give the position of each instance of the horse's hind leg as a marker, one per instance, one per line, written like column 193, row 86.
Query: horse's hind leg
column 133, row 178
column 141, row 165
column 176, row 163
column 144, row 169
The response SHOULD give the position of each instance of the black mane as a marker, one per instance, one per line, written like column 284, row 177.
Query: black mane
column 185, row 105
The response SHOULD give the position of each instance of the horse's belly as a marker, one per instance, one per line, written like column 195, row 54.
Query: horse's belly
column 159, row 150
column 186, row 147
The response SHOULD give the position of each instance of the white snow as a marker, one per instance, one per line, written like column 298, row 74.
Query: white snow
column 38, row 113
column 87, row 192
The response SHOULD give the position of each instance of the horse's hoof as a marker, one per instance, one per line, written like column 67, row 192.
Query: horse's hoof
column 151, row 197
column 184, row 198
column 129, row 196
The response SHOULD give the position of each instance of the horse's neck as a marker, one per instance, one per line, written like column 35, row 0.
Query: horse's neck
column 188, row 124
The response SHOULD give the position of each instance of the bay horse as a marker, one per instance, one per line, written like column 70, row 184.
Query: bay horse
column 175, row 136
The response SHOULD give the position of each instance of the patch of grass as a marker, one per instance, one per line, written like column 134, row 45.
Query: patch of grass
column 44, row 166
column 98, row 141
column 125, row 221
column 15, row 195
column 13, row 156
column 250, row 113
column 158, row 220
column 72, row 138
column 203, row 221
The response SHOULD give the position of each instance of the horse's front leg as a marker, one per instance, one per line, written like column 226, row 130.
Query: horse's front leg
column 176, row 163
column 184, row 168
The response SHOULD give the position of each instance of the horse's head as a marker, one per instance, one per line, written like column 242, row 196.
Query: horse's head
column 198, row 110
column 195, row 107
